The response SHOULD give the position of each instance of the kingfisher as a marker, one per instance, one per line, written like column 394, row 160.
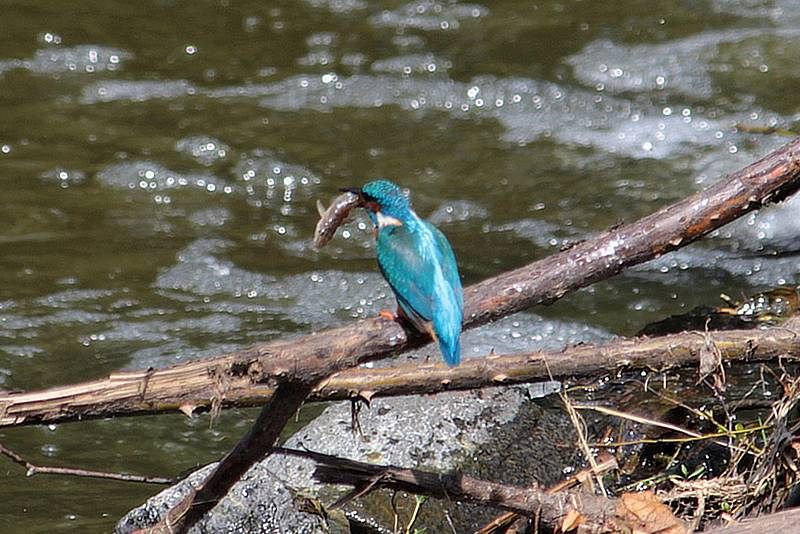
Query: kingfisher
column 418, row 262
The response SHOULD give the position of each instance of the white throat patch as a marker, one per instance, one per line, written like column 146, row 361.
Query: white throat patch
column 386, row 220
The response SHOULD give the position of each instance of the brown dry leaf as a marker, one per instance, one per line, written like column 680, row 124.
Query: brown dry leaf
column 571, row 521
column 644, row 513
column 796, row 447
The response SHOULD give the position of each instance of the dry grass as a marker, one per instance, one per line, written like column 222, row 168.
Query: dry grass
column 750, row 485
column 763, row 470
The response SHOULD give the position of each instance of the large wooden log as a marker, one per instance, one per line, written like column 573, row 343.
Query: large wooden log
column 236, row 375
column 676, row 350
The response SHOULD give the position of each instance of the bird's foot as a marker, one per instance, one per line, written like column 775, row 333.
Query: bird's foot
column 386, row 314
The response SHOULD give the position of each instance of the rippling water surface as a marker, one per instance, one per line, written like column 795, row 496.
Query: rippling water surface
column 160, row 162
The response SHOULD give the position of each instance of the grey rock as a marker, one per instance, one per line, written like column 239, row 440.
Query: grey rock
column 503, row 434
column 487, row 434
column 258, row 504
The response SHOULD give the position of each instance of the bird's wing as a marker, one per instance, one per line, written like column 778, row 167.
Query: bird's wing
column 449, row 265
column 408, row 270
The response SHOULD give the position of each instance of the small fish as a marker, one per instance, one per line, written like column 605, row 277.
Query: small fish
column 333, row 217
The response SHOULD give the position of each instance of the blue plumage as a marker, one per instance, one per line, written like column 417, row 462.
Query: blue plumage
column 418, row 262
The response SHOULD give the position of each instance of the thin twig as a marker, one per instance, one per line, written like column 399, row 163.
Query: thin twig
column 419, row 500
column 33, row 469
column 724, row 431
column 689, row 439
column 583, row 442
column 637, row 419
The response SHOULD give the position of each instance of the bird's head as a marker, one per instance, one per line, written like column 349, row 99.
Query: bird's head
column 384, row 201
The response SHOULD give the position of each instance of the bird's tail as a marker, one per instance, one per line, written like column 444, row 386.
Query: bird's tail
column 451, row 352
column 447, row 317
column 447, row 331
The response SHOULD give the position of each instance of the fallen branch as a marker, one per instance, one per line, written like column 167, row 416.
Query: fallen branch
column 186, row 386
column 512, row 520
column 33, row 469
column 549, row 508
column 672, row 351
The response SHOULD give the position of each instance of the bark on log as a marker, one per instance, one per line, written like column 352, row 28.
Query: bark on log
column 659, row 353
column 512, row 522
column 675, row 350
column 550, row 508
column 185, row 386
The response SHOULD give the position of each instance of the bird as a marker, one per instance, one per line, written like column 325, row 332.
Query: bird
column 419, row 264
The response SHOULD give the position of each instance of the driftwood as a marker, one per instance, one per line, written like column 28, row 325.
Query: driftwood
column 235, row 377
column 512, row 522
column 659, row 353
column 550, row 508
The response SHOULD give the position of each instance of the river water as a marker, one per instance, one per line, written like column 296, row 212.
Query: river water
column 160, row 163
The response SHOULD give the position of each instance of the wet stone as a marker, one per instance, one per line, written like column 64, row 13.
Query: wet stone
column 484, row 433
column 258, row 504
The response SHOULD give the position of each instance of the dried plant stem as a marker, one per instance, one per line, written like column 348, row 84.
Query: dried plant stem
column 653, row 422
